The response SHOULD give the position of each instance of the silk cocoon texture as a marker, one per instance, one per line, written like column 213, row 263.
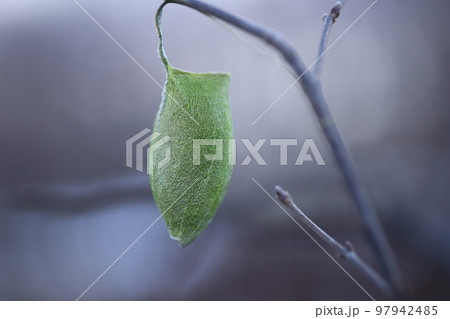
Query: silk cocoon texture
column 189, row 195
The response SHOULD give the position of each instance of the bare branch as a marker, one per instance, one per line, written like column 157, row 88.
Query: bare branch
column 329, row 20
column 313, row 91
column 346, row 253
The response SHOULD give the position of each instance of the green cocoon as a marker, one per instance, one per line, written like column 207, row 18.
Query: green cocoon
column 194, row 106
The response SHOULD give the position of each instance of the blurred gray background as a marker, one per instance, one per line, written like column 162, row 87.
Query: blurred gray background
column 70, row 98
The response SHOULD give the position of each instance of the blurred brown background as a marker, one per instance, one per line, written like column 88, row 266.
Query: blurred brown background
column 70, row 98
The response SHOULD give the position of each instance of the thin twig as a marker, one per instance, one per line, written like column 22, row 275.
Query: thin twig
column 313, row 91
column 328, row 21
column 346, row 253
column 258, row 50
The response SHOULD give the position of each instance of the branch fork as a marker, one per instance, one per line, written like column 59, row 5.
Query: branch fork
column 310, row 84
